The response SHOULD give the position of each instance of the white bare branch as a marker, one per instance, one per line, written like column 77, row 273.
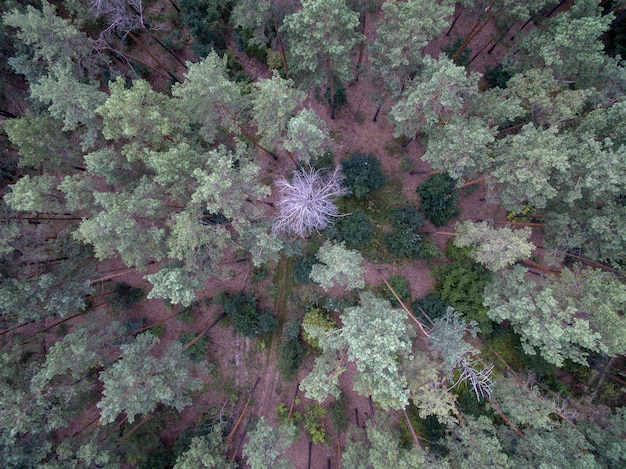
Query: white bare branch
column 307, row 201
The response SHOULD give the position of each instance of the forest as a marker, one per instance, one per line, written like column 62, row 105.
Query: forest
column 356, row 234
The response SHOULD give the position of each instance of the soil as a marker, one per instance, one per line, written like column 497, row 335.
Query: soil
column 241, row 361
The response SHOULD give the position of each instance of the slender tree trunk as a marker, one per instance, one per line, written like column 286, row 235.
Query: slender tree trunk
column 605, row 372
column 8, row 114
column 206, row 331
column 356, row 416
column 279, row 42
column 293, row 402
column 310, row 453
column 408, row 422
column 232, row 432
column 168, row 50
column 456, row 18
column 482, row 49
column 147, row 51
column 175, row 6
column 376, row 113
column 502, row 36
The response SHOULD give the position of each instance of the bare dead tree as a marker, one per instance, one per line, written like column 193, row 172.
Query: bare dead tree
column 307, row 201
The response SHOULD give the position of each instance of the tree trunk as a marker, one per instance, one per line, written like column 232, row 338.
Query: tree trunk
column 147, row 51
column 279, row 41
column 232, row 432
column 456, row 18
column 376, row 113
column 361, row 47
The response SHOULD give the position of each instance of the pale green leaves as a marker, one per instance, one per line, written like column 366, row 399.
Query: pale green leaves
column 206, row 452
column 495, row 248
column 440, row 91
column 174, row 284
column 307, row 135
column 267, row 446
column 338, row 266
column 137, row 382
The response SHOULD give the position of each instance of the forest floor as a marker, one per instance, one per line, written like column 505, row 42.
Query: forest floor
column 237, row 361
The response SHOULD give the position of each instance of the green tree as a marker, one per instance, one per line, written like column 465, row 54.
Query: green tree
column 267, row 445
column 403, row 32
column 273, row 105
column 495, row 248
column 338, row 266
column 438, row 92
column 206, row 452
column 307, row 135
column 562, row 317
column 320, row 40
column 138, row 381
column 377, row 337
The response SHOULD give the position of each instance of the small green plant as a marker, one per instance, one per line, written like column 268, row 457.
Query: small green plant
column 302, row 268
column 406, row 216
column 464, row 56
column 259, row 273
column 355, row 229
column 439, row 199
column 317, row 317
column 313, row 425
column 187, row 316
column 404, row 242
column 243, row 315
column 363, row 174
column 338, row 415
column 158, row 330
column 341, row 96
column 126, row 296
column 402, row 288
column 431, row 305
column 197, row 351
column 406, row 164
column 290, row 356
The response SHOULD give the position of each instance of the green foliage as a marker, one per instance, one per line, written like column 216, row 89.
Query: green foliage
column 338, row 414
column 341, row 96
column 242, row 312
column 461, row 282
column 318, row 318
column 438, row 199
column 307, row 135
column 197, row 351
column 206, row 452
column 356, row 229
column 158, row 330
column 495, row 248
column 204, row 19
column 290, row 356
column 338, row 266
column 401, row 286
column 377, row 336
column 497, row 76
column 313, row 425
column 267, row 445
column 267, row 321
column 126, row 296
column 404, row 242
column 363, row 174
column 432, row 305
column 464, row 57
column 302, row 268
column 406, row 216
column 476, row 444
column 137, row 382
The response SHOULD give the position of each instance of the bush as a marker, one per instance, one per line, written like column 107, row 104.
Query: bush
column 197, row 351
column 432, row 305
column 290, row 356
column 497, row 76
column 313, row 425
column 461, row 284
column 338, row 414
column 363, row 174
column 126, row 296
column 242, row 312
column 341, row 97
column 464, row 57
column 267, row 322
column 401, row 286
column 302, row 268
column 355, row 229
column 406, row 217
column 317, row 317
column 439, row 199
column 404, row 242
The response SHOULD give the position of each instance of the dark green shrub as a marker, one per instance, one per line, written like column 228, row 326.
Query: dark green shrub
column 432, row 305
column 363, row 174
column 324, row 162
column 290, row 356
column 242, row 313
column 464, row 57
column 404, row 242
column 497, row 76
column 267, row 322
column 242, row 38
column 341, row 96
column 126, row 296
column 402, row 288
column 338, row 415
column 205, row 20
column 302, row 268
column 407, row 216
column 461, row 284
column 158, row 330
column 355, row 229
column 439, row 199
column 197, row 351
